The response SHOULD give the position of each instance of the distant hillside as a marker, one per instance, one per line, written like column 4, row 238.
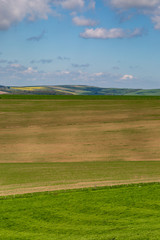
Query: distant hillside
column 76, row 90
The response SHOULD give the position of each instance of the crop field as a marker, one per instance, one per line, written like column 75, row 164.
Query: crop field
column 28, row 88
column 112, row 213
column 60, row 157
column 66, row 142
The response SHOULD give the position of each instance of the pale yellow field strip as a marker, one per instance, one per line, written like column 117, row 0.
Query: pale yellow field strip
column 79, row 185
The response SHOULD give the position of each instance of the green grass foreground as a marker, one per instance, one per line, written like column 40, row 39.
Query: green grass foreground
column 130, row 212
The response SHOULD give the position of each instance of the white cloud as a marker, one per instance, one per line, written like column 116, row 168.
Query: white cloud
column 156, row 21
column 19, row 69
column 127, row 77
column 138, row 32
column 92, row 4
column 102, row 33
column 15, row 65
column 65, row 72
column 134, row 3
column 29, row 70
column 71, row 4
column 99, row 74
column 82, row 21
column 27, row 75
column 146, row 7
column 76, row 4
column 13, row 11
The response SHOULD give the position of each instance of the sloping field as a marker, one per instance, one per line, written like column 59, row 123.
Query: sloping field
column 17, row 178
column 112, row 213
column 110, row 141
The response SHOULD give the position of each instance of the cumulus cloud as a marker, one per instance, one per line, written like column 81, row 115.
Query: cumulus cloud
column 99, row 74
column 30, row 70
column 37, row 38
column 70, row 4
column 127, row 77
column 82, row 21
column 125, row 4
column 20, row 69
column 146, row 7
column 17, row 74
column 156, row 21
column 13, row 11
column 84, row 78
column 92, row 4
column 102, row 33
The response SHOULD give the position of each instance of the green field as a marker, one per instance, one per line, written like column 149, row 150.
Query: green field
column 113, row 213
column 78, row 97
column 16, row 178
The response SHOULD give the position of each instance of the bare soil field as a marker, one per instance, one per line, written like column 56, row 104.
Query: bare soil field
column 77, row 131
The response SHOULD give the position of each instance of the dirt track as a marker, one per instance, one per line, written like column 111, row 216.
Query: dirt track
column 79, row 185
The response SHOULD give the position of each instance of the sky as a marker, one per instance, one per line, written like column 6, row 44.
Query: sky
column 104, row 43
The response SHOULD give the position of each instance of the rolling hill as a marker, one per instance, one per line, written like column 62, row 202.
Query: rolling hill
column 76, row 90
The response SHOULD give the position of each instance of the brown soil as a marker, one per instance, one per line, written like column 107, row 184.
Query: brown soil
column 132, row 141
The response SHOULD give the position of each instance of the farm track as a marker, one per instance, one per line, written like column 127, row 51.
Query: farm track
column 79, row 185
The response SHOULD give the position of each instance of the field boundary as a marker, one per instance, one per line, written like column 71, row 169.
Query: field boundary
column 79, row 185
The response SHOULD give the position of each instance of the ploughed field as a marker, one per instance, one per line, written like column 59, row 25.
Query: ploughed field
column 49, row 143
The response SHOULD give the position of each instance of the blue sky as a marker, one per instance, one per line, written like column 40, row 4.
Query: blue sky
column 105, row 43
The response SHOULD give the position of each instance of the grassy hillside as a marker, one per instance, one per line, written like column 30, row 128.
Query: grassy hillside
column 77, row 90
column 112, row 213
